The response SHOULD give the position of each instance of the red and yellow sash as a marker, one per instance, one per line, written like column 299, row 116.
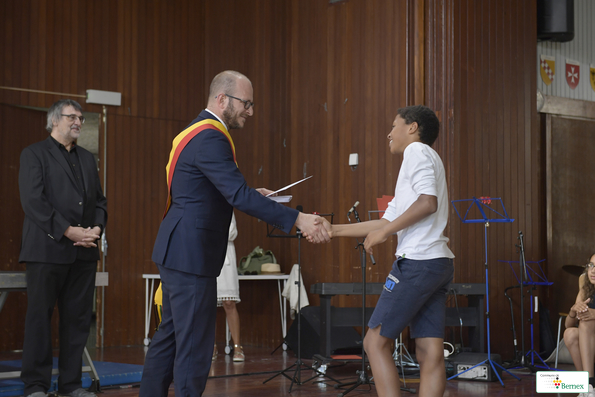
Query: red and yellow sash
column 180, row 143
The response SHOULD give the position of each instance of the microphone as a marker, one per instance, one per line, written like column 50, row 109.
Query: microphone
column 373, row 260
column 358, row 220
column 352, row 208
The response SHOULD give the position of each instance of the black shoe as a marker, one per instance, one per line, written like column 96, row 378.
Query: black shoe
column 77, row 393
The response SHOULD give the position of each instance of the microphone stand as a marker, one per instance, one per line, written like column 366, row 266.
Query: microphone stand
column 299, row 364
column 363, row 378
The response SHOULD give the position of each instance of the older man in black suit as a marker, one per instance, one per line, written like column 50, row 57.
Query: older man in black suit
column 65, row 213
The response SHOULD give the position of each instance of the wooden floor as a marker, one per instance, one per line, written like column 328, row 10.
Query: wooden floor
column 246, row 379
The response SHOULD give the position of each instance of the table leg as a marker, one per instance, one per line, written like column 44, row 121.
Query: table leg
column 227, row 338
column 283, row 309
column 148, row 299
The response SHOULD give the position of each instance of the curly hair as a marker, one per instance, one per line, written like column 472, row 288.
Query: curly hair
column 588, row 287
column 426, row 119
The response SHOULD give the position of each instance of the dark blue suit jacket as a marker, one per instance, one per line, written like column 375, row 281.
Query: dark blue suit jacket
column 206, row 186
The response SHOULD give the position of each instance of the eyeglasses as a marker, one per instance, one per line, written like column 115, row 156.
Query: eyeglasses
column 589, row 266
column 247, row 104
column 73, row 117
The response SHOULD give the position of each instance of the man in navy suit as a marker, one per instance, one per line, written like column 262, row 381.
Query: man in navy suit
column 65, row 213
column 205, row 185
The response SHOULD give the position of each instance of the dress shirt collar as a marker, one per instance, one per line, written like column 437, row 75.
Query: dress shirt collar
column 221, row 121
column 60, row 146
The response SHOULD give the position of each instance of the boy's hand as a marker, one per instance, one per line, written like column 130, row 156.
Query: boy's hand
column 373, row 238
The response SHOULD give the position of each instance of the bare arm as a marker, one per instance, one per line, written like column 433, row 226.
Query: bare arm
column 580, row 305
column 424, row 206
column 361, row 229
column 377, row 231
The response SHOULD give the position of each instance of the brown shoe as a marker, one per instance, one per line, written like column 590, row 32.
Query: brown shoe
column 238, row 353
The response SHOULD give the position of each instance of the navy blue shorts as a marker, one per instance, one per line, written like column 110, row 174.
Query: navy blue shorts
column 414, row 294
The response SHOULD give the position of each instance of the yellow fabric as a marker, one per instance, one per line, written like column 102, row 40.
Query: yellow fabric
column 188, row 130
column 159, row 303
column 180, row 143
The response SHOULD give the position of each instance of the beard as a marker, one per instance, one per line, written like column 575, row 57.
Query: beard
column 230, row 117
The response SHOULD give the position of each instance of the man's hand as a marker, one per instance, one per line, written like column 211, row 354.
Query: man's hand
column 265, row 191
column 311, row 228
column 326, row 224
column 83, row 237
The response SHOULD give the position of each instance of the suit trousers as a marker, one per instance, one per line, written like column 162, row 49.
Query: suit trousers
column 182, row 348
column 72, row 287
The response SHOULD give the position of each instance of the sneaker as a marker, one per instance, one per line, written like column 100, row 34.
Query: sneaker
column 590, row 393
column 238, row 354
column 78, row 393
column 38, row 394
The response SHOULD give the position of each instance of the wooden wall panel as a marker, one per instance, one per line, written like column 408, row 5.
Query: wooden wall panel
column 569, row 190
column 328, row 80
column 19, row 128
column 494, row 145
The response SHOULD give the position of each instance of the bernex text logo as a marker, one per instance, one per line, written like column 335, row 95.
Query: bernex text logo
column 562, row 382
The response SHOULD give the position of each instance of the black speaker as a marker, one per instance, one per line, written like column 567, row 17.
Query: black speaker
column 345, row 339
column 555, row 20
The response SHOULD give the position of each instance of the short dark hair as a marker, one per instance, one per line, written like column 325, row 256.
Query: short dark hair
column 56, row 109
column 427, row 122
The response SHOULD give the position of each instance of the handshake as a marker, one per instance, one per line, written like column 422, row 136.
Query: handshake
column 319, row 230
column 315, row 228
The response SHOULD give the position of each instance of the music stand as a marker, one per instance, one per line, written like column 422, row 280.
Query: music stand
column 500, row 217
column 299, row 364
column 530, row 277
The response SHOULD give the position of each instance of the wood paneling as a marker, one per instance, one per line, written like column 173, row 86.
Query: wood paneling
column 569, row 191
column 494, row 145
column 328, row 79
column 19, row 128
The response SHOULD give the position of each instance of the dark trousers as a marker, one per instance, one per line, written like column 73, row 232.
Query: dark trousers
column 72, row 287
column 182, row 348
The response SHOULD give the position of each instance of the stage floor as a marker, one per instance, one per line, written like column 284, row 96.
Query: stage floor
column 246, row 379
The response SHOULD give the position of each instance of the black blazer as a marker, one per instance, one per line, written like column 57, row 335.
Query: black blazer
column 52, row 202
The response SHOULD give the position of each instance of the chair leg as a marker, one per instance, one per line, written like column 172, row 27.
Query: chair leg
column 562, row 315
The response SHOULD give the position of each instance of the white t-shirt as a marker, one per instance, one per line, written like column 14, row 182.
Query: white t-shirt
column 422, row 172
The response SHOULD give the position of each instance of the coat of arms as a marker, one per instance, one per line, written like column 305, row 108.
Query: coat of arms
column 573, row 73
column 547, row 69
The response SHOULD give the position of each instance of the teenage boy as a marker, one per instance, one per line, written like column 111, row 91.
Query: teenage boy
column 415, row 290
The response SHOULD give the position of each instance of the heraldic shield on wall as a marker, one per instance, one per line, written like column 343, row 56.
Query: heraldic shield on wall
column 573, row 73
column 547, row 69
